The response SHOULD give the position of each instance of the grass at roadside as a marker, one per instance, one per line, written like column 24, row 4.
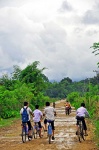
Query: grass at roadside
column 96, row 123
column 7, row 122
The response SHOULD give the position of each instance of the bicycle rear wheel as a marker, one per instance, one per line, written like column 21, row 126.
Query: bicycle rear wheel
column 35, row 134
column 42, row 131
column 82, row 133
column 32, row 134
column 49, row 133
column 23, row 135
column 49, row 138
column 78, row 134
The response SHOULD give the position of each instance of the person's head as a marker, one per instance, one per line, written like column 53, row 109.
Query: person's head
column 36, row 106
column 25, row 103
column 83, row 104
column 47, row 103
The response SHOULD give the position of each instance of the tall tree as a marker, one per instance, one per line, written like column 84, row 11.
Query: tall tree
column 96, row 49
column 16, row 72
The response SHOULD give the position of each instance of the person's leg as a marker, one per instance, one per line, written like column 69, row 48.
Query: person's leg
column 29, row 128
column 53, row 128
column 39, row 123
column 77, row 124
column 68, row 110
column 45, row 124
column 84, row 126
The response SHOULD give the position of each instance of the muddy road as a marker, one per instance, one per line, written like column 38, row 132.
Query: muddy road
column 65, row 137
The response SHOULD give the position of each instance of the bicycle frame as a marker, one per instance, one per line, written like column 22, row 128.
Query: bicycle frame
column 49, row 132
column 25, row 132
column 36, row 130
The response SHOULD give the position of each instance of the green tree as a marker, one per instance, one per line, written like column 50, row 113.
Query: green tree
column 16, row 72
column 96, row 49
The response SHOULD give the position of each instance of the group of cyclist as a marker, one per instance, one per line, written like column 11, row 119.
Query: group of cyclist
column 50, row 113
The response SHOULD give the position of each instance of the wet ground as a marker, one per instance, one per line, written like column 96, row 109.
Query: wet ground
column 65, row 137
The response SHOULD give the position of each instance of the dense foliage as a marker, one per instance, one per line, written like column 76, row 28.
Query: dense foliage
column 32, row 85
column 22, row 85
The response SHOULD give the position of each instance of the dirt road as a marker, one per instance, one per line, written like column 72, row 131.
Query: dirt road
column 65, row 138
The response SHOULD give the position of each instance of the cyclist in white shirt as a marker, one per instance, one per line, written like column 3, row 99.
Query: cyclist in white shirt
column 49, row 113
column 81, row 114
column 37, row 116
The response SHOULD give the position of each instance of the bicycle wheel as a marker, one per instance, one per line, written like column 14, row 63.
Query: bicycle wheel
column 23, row 134
column 49, row 133
column 78, row 134
column 42, row 131
column 32, row 134
column 49, row 137
column 82, row 133
column 35, row 133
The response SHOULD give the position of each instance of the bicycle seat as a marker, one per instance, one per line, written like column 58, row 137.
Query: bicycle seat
column 49, row 121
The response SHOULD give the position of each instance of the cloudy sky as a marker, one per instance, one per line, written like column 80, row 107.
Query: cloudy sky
column 57, row 33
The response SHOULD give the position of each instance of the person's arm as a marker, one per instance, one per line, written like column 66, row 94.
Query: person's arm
column 86, row 113
column 41, row 115
column 76, row 112
column 21, row 111
column 33, row 114
column 55, row 112
column 44, row 112
column 30, row 111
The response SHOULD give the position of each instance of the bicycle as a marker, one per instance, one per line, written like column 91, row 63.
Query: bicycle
column 49, row 132
column 67, row 110
column 80, row 132
column 36, row 130
column 25, row 132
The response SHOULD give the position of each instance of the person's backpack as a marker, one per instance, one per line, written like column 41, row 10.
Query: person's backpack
column 25, row 115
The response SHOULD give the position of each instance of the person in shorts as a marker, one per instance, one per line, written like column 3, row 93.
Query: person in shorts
column 81, row 114
column 29, row 111
column 37, row 116
column 49, row 113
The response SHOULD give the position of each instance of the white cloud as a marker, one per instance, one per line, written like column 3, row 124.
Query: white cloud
column 56, row 33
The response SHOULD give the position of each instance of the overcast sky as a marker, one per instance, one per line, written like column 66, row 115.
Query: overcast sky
column 57, row 33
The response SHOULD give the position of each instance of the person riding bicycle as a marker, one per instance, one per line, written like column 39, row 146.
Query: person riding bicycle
column 29, row 112
column 49, row 113
column 81, row 114
column 54, row 104
column 67, row 107
column 37, row 116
